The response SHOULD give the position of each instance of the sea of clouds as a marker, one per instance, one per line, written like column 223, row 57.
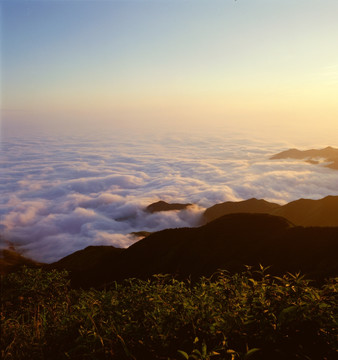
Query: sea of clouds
column 61, row 193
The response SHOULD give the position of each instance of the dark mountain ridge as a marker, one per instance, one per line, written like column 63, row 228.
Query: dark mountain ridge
column 229, row 243
column 89, row 266
column 246, row 206
column 11, row 261
column 242, row 237
column 164, row 206
column 304, row 212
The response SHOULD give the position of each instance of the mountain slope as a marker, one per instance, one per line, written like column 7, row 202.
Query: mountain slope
column 11, row 261
column 307, row 212
column 304, row 212
column 89, row 266
column 229, row 243
column 246, row 206
column 201, row 251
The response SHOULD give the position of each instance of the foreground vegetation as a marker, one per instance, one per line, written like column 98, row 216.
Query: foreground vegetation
column 251, row 315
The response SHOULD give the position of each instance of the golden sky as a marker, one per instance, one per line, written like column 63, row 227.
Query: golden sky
column 171, row 62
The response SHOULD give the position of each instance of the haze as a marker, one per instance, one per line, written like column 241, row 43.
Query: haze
column 268, row 66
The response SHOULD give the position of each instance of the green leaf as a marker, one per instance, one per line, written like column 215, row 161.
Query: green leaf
column 287, row 313
column 251, row 352
column 253, row 281
column 195, row 357
column 196, row 352
column 204, row 349
column 289, row 309
column 184, row 354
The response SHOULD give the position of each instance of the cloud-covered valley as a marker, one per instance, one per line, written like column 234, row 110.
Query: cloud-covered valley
column 61, row 194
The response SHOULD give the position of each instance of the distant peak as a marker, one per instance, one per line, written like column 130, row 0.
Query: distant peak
column 160, row 202
column 329, row 153
column 164, row 206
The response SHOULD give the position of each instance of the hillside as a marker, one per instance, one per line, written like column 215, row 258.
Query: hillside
column 11, row 260
column 303, row 212
column 307, row 212
column 90, row 265
column 229, row 242
column 232, row 207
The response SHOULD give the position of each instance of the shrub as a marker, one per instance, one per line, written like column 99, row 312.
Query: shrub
column 251, row 315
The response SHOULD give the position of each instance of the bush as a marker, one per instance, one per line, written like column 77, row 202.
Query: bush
column 251, row 315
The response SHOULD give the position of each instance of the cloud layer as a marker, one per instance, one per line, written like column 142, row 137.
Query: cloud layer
column 61, row 194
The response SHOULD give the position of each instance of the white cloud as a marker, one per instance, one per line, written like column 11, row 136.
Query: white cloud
column 61, row 195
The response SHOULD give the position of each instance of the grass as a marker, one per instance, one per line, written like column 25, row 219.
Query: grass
column 251, row 315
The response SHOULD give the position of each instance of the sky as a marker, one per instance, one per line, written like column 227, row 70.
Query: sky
column 266, row 65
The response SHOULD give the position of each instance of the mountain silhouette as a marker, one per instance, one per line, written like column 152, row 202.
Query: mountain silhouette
column 329, row 153
column 153, row 208
column 164, row 206
column 89, row 266
column 229, row 243
column 305, row 212
column 246, row 206
column 299, row 236
column 140, row 234
column 11, row 261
